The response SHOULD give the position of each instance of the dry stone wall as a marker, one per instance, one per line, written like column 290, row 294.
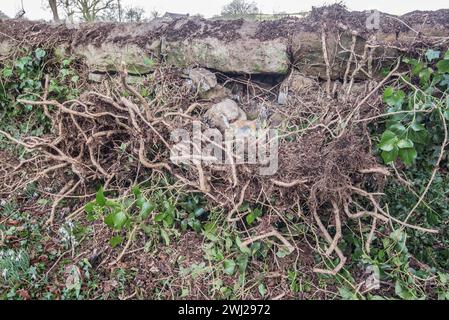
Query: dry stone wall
column 239, row 46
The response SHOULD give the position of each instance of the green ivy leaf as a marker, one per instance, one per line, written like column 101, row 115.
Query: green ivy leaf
column 196, row 226
column 89, row 207
column 210, row 227
column 115, row 241
column 257, row 212
column 424, row 76
column 165, row 236
column 242, row 263
column 443, row 277
column 120, row 219
column 432, row 55
column 229, row 266
column 262, row 290
column 445, row 80
column 346, row 294
column 408, row 155
column 443, row 66
column 100, row 198
column 405, row 143
column 250, row 218
column 446, row 55
column 390, row 156
column 199, row 212
column 136, row 191
column 148, row 62
column 7, row 72
column 402, row 291
column 109, row 220
column 243, row 249
column 417, row 127
column 116, row 220
column 388, row 141
column 393, row 98
column 147, row 208
column 39, row 53
column 169, row 220
column 22, row 62
column 112, row 204
column 396, row 127
column 418, row 136
column 417, row 66
column 446, row 114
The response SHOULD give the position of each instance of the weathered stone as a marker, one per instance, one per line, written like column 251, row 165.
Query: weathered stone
column 110, row 57
column 283, row 97
column 228, row 46
column 222, row 114
column 294, row 84
column 239, row 56
column 96, row 77
column 217, row 93
column 307, row 50
column 308, row 56
column 245, row 128
column 6, row 47
column 130, row 79
column 298, row 83
column 276, row 120
column 253, row 110
column 99, row 77
column 202, row 79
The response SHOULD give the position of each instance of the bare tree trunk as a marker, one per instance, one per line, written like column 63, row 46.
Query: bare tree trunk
column 119, row 8
column 54, row 9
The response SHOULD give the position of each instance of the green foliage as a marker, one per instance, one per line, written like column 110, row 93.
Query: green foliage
column 413, row 133
column 414, row 127
column 433, row 213
column 253, row 215
column 13, row 265
column 31, row 259
column 393, row 262
column 167, row 214
column 229, row 266
column 24, row 79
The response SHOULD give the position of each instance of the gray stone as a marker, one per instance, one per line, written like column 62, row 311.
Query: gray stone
column 282, row 97
column 293, row 85
column 202, row 79
column 276, row 120
column 222, row 114
column 99, row 77
column 96, row 77
column 217, row 93
column 245, row 128
column 247, row 55
column 110, row 57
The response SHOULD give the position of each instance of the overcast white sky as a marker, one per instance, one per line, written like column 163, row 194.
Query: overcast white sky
column 35, row 8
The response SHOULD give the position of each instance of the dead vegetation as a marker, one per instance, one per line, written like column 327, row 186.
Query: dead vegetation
column 327, row 170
